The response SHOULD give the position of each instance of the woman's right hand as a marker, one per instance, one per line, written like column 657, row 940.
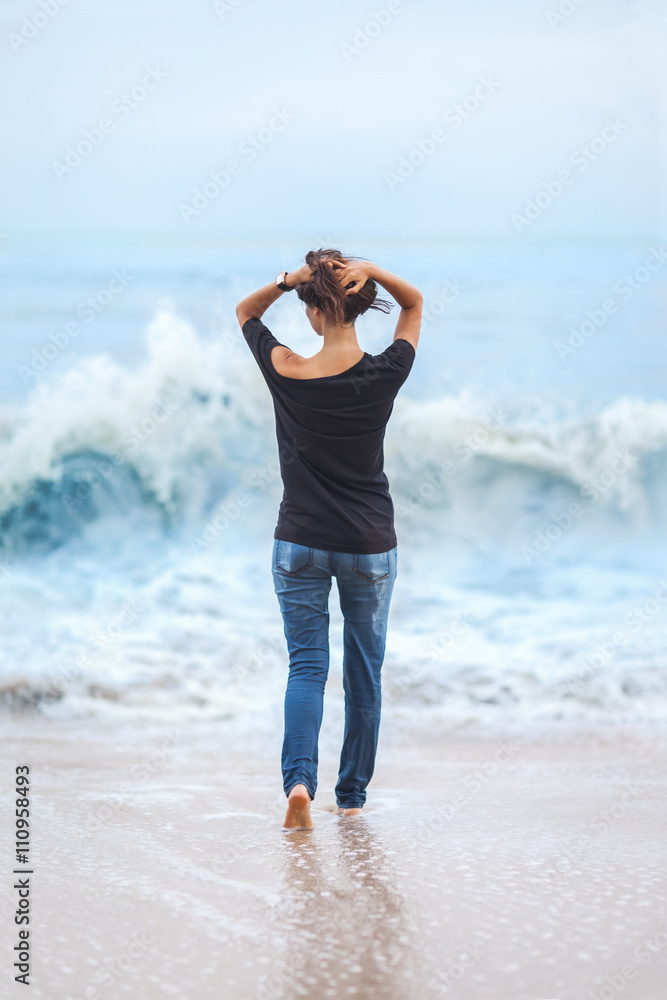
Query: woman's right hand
column 353, row 274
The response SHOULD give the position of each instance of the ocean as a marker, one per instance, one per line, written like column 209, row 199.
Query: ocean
column 526, row 454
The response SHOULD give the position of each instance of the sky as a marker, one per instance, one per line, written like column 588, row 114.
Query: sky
column 405, row 119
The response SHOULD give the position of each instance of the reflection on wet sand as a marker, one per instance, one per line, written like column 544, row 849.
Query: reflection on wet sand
column 348, row 930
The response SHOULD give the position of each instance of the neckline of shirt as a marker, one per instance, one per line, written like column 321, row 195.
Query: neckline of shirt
column 317, row 378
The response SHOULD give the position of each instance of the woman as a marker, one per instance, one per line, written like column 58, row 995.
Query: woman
column 336, row 517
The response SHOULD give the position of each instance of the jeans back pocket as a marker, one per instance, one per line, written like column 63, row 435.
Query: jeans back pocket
column 372, row 566
column 292, row 558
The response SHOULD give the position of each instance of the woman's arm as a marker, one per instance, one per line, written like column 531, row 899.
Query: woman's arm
column 355, row 274
column 256, row 304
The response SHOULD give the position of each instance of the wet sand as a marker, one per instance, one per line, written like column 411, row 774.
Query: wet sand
column 485, row 866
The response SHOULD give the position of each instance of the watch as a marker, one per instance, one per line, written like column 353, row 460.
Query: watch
column 281, row 282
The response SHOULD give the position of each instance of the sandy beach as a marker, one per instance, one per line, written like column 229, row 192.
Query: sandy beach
column 500, row 866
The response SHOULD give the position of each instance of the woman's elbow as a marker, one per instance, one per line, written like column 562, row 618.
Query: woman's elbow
column 416, row 301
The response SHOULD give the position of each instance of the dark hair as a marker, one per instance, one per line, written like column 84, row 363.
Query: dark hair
column 326, row 291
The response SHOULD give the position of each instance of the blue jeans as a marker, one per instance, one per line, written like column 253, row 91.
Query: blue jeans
column 302, row 581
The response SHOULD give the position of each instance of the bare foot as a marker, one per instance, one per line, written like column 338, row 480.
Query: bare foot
column 298, row 810
column 348, row 812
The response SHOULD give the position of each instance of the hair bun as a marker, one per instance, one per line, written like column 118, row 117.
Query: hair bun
column 326, row 292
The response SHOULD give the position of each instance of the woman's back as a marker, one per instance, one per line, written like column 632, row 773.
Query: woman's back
column 330, row 432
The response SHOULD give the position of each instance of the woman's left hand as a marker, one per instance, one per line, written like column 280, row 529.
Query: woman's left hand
column 299, row 276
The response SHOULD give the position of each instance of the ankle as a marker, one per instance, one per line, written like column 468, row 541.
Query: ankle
column 299, row 791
